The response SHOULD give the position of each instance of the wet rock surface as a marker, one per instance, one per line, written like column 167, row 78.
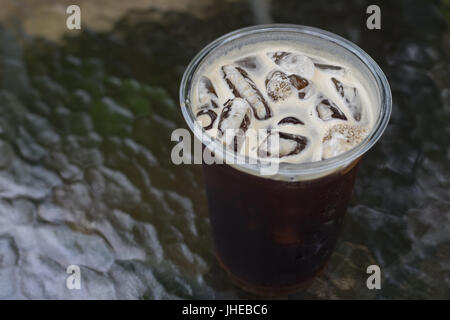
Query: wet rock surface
column 86, row 176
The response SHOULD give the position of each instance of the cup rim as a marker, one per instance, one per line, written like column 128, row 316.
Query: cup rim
column 291, row 169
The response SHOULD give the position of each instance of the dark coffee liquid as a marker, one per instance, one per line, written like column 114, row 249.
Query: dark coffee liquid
column 273, row 236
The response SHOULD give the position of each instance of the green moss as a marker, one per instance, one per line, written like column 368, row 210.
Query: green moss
column 444, row 8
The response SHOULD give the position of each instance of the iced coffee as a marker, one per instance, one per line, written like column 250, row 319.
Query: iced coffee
column 288, row 96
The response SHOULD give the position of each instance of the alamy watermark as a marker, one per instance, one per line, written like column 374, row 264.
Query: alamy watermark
column 374, row 280
column 374, row 20
column 73, row 281
column 73, row 21
column 261, row 148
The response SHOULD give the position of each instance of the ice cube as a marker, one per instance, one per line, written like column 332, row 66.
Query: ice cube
column 278, row 85
column 328, row 68
column 293, row 63
column 243, row 87
column 281, row 144
column 341, row 138
column 350, row 96
column 327, row 109
column 298, row 82
column 251, row 63
column 234, row 122
column 290, row 120
column 305, row 88
column 207, row 117
column 278, row 56
column 207, row 94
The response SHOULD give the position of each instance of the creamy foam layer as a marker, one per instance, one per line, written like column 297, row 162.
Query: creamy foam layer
column 315, row 107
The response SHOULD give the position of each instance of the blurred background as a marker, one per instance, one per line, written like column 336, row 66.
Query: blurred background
column 85, row 171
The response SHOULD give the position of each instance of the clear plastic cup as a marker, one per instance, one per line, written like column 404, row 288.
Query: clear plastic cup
column 275, row 233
